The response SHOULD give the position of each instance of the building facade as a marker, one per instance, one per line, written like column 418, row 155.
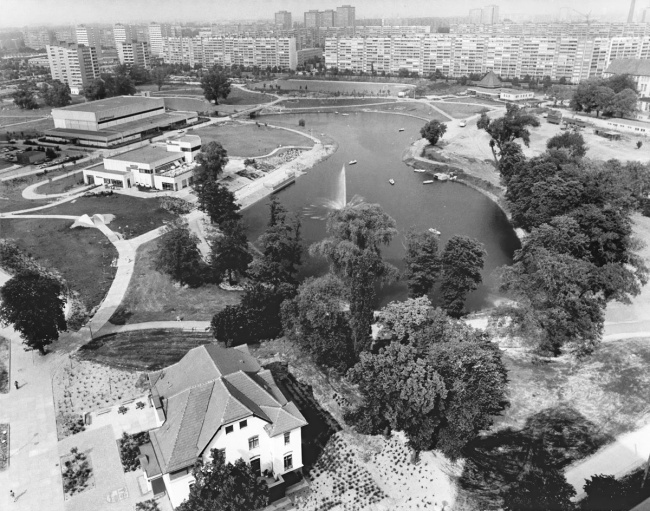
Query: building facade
column 124, row 33
column 157, row 32
column 572, row 58
column 240, row 411
column 90, row 36
column 227, row 51
column 76, row 65
column 134, row 54
column 639, row 71
column 283, row 20
column 345, row 16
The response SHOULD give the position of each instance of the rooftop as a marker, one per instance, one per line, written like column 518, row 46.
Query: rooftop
column 490, row 81
column 634, row 67
column 629, row 122
column 111, row 103
column 146, row 154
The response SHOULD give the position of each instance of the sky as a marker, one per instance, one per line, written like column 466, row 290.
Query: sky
column 19, row 13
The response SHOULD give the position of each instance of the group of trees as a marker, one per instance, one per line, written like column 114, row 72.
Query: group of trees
column 215, row 84
column 123, row 80
column 24, row 97
column 614, row 96
column 579, row 253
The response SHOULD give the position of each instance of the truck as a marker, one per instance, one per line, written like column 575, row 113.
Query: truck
column 554, row 117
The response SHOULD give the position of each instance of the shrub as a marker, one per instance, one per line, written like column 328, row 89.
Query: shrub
column 129, row 452
column 77, row 472
column 301, row 122
column 147, row 505
column 176, row 205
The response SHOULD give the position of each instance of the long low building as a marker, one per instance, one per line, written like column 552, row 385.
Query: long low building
column 169, row 167
column 114, row 121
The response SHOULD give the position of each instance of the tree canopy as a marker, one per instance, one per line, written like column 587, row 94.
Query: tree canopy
column 178, row 253
column 24, row 97
column 433, row 131
column 613, row 96
column 221, row 486
column 215, row 85
column 540, row 489
column 33, row 303
column 230, row 254
column 422, row 262
column 159, row 75
column 214, row 199
column 57, row 94
column 462, row 262
column 513, row 125
column 572, row 142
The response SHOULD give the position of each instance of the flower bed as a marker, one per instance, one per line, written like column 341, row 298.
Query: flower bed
column 77, row 473
column 4, row 446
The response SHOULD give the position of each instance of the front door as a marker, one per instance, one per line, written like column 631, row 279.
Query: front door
column 255, row 465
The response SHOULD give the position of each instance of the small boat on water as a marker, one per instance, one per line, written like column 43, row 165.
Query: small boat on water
column 434, row 231
column 352, row 162
column 391, row 181
column 427, row 182
column 345, row 114
column 401, row 129
column 440, row 176
column 419, row 171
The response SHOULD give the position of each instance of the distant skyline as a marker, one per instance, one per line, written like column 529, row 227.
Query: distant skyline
column 20, row 13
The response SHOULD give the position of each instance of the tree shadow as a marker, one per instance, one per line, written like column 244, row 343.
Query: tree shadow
column 321, row 425
column 558, row 436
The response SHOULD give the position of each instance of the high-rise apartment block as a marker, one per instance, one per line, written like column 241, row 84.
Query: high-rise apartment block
column 490, row 15
column 124, row 33
column 312, row 19
column 572, row 58
column 134, row 53
column 475, row 16
column 345, row 16
column 327, row 19
column 283, row 20
column 263, row 52
column 76, row 65
column 90, row 36
column 38, row 38
column 157, row 32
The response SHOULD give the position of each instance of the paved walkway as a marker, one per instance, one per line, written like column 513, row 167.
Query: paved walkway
column 30, row 193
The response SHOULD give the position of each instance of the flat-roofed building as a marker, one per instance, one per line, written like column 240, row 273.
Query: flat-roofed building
column 283, row 20
column 157, row 32
column 345, row 16
column 124, row 33
column 114, row 121
column 90, row 36
column 307, row 54
column 74, row 64
column 134, row 54
column 168, row 166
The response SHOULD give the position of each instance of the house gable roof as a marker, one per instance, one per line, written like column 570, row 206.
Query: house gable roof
column 207, row 389
column 633, row 67
column 490, row 81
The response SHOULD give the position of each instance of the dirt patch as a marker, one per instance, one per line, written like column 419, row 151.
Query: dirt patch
column 143, row 350
column 82, row 256
column 153, row 296
column 459, row 110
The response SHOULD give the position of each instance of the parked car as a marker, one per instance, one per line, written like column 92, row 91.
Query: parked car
column 462, row 124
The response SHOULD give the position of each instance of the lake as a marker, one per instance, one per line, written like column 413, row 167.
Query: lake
column 374, row 141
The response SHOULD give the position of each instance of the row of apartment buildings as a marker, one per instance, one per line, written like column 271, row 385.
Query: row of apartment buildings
column 227, row 51
column 573, row 58
column 554, row 29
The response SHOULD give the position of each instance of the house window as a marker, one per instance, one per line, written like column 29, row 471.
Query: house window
column 288, row 461
column 253, row 442
column 243, row 424
column 229, row 429
column 287, row 438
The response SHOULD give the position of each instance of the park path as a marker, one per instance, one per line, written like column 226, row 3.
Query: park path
column 30, row 193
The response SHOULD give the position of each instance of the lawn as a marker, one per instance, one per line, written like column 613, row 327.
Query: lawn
column 238, row 96
column 31, row 129
column 331, row 103
column 248, row 140
column 61, row 185
column 11, row 193
column 343, row 87
column 82, row 256
column 145, row 350
column 5, row 353
column 412, row 108
column 481, row 101
column 189, row 104
column 133, row 216
column 459, row 111
column 153, row 296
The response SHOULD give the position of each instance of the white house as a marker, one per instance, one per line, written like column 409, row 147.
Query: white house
column 163, row 168
column 219, row 398
column 639, row 71
column 516, row 95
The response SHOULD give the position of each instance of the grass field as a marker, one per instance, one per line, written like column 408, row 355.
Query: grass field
column 190, row 104
column 481, row 101
column 249, row 140
column 28, row 129
column 133, row 216
column 331, row 103
column 82, row 256
column 411, row 108
column 152, row 296
column 143, row 350
column 4, row 164
column 343, row 87
column 459, row 111
column 5, row 353
column 61, row 185
column 11, row 193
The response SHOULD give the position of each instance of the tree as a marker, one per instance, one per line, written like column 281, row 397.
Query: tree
column 422, row 262
column 281, row 246
column 57, row 94
column 230, row 254
column 605, row 493
column 560, row 93
column 178, row 253
column 221, row 486
column 513, row 125
column 623, row 104
column 620, row 83
column 95, row 90
column 159, row 75
column 118, row 85
column 400, row 320
column 139, row 75
column 573, row 142
column 355, row 235
column 547, row 82
column 462, row 262
column 318, row 320
column 215, row 85
column 515, row 82
column 540, row 489
column 218, row 203
column 24, row 97
column 433, row 131
column 33, row 303
column 214, row 199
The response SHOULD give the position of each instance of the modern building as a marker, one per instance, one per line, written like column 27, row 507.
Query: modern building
column 345, row 16
column 168, row 166
column 157, row 32
column 516, row 95
column 74, row 64
column 124, row 33
column 475, row 16
column 115, row 121
column 38, row 38
column 308, row 54
column 312, row 19
column 90, row 36
column 31, row 157
column 134, row 53
column 639, row 71
column 327, row 19
column 283, row 20
column 227, row 51
column 490, row 15
column 219, row 398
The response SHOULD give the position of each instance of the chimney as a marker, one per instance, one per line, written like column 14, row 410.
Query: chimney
column 630, row 16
